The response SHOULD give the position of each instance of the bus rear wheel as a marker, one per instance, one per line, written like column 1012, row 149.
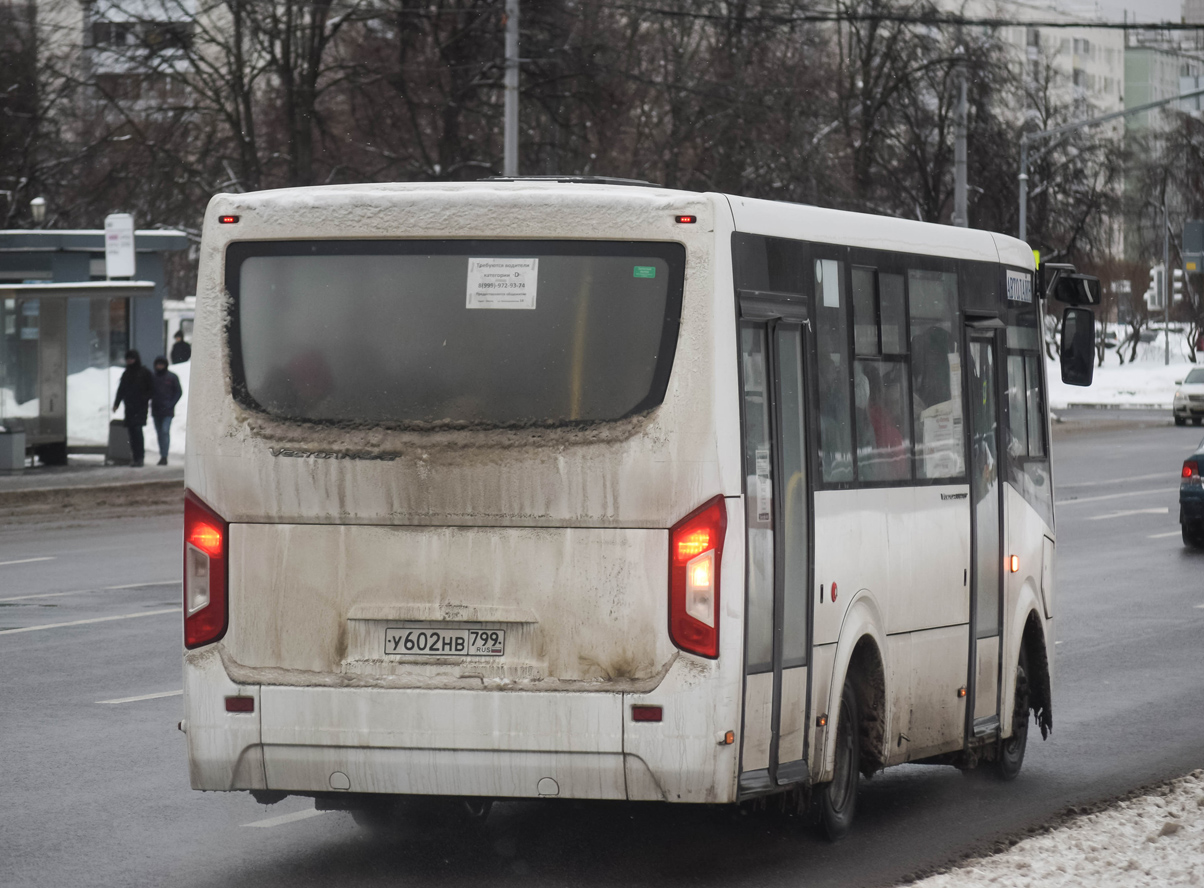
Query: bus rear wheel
column 838, row 799
column 1011, row 750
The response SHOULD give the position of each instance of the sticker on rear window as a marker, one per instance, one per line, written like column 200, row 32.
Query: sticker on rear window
column 502, row 283
column 644, row 271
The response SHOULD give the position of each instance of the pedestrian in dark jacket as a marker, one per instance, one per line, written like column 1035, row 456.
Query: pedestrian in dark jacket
column 135, row 389
column 165, row 395
column 181, row 351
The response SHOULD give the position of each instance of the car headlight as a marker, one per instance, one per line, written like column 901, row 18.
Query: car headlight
column 1178, row 394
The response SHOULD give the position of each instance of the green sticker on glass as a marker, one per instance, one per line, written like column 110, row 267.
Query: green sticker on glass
column 644, row 271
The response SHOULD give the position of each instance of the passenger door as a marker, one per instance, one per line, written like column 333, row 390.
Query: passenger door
column 986, row 564
column 778, row 564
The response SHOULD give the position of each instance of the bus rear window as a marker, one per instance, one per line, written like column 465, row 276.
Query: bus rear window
column 471, row 333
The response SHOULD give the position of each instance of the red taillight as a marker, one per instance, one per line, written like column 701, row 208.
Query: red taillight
column 695, row 551
column 686, row 220
column 227, row 220
column 206, row 538
column 1191, row 469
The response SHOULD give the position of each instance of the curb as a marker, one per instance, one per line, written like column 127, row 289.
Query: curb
column 23, row 494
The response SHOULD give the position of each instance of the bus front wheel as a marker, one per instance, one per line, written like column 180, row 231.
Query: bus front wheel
column 1011, row 750
column 838, row 799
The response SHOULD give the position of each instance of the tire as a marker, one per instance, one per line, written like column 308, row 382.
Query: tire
column 838, row 799
column 1011, row 750
column 1193, row 535
column 1180, row 420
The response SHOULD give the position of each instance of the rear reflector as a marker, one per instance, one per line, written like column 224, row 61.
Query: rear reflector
column 641, row 713
column 240, row 704
column 695, row 552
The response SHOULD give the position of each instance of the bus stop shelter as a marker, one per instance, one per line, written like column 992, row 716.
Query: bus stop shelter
column 64, row 331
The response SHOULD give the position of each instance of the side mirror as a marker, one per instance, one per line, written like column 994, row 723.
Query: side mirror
column 1078, row 289
column 1078, row 346
column 1178, row 382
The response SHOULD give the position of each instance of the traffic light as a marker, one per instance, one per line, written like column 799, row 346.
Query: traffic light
column 1155, row 296
column 1177, row 285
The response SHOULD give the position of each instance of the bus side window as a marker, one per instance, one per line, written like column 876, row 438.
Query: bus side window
column 936, row 374
column 880, row 384
column 832, row 359
column 1028, row 461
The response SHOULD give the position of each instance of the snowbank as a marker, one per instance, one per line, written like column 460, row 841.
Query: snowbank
column 1146, row 382
column 1153, row 840
column 90, row 396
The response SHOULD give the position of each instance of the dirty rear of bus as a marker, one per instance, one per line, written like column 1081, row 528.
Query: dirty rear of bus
column 460, row 469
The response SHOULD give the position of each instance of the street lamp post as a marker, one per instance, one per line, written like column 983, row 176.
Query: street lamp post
column 1027, row 139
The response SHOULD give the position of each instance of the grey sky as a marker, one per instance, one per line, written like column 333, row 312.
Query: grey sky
column 1144, row 10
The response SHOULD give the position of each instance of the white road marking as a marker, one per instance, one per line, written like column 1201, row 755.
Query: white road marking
column 1112, row 496
column 1200, row 607
column 1163, row 536
column 1127, row 512
column 151, row 613
column 1109, row 481
column 47, row 595
column 287, row 818
column 26, row 561
column 144, row 697
column 86, row 591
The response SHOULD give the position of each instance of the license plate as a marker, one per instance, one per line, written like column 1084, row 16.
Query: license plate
column 445, row 642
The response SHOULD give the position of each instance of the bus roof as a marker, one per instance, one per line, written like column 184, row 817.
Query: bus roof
column 751, row 215
column 866, row 230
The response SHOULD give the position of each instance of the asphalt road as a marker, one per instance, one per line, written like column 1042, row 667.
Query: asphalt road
column 95, row 792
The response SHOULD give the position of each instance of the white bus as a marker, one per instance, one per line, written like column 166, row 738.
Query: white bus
column 531, row 489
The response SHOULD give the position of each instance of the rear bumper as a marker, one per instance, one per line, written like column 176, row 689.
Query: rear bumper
column 1191, row 504
column 494, row 744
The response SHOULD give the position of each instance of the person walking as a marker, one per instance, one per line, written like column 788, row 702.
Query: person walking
column 135, row 389
column 164, row 398
column 181, row 351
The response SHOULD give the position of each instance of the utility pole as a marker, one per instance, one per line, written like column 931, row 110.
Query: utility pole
column 961, row 215
column 510, row 137
column 1166, row 281
column 1027, row 139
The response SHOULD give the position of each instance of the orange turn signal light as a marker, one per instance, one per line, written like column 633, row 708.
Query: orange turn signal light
column 1014, row 563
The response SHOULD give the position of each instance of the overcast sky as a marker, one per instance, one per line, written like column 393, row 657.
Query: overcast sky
column 1143, row 10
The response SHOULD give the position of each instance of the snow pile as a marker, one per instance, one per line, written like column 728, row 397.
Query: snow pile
column 1152, row 840
column 90, row 394
column 1143, row 384
column 1146, row 381
column 89, row 404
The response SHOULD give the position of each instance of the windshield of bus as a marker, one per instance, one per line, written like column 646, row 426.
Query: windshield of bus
column 466, row 333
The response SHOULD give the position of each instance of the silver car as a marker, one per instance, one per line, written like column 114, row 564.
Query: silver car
column 1189, row 398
